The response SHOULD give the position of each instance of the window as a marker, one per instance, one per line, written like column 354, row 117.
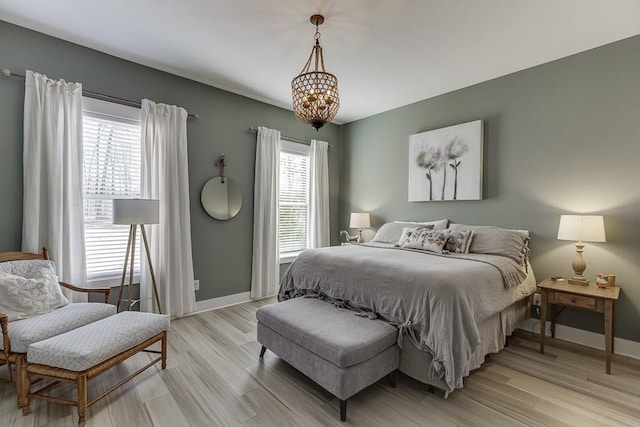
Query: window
column 111, row 170
column 293, row 210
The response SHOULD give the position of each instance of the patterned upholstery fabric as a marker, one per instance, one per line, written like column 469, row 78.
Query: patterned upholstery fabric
column 29, row 288
column 96, row 342
column 26, row 268
column 22, row 333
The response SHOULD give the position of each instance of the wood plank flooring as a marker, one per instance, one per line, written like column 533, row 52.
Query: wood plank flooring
column 214, row 377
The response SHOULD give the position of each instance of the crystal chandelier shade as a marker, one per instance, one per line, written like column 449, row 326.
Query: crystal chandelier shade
column 315, row 92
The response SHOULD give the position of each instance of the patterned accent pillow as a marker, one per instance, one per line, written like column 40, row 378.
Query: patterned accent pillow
column 428, row 240
column 408, row 231
column 29, row 288
column 459, row 241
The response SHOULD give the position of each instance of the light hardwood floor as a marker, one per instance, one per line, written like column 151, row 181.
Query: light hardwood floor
column 214, row 377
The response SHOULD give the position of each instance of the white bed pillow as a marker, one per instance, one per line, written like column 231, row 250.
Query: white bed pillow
column 492, row 240
column 23, row 297
column 428, row 240
column 439, row 224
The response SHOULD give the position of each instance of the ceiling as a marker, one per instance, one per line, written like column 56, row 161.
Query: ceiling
column 386, row 54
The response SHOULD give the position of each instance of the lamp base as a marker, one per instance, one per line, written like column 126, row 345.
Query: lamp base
column 578, row 280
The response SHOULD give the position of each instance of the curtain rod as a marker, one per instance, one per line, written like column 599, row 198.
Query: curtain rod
column 8, row 73
column 254, row 129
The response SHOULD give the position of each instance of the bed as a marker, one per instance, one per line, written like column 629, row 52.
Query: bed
column 451, row 309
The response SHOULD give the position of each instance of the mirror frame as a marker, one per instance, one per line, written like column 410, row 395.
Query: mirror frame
column 206, row 196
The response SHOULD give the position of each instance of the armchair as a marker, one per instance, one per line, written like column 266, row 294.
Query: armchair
column 18, row 334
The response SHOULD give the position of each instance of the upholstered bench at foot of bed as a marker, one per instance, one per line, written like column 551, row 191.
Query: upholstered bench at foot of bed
column 83, row 353
column 340, row 351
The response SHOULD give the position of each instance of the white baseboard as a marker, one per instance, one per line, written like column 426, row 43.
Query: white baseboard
column 589, row 339
column 225, row 301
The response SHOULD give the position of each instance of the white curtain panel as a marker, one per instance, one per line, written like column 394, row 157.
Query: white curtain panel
column 165, row 176
column 319, row 235
column 52, row 170
column 265, row 268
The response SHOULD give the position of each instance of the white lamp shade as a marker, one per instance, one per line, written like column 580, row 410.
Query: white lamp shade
column 360, row 220
column 587, row 228
column 136, row 211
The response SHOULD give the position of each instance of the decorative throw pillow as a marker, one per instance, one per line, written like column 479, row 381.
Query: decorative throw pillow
column 459, row 241
column 29, row 288
column 408, row 231
column 428, row 240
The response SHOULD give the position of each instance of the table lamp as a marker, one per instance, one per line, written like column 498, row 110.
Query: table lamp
column 360, row 221
column 134, row 212
column 587, row 228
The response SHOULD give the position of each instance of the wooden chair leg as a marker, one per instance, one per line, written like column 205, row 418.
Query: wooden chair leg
column 343, row 410
column 23, row 385
column 392, row 380
column 82, row 399
column 262, row 351
column 21, row 373
column 164, row 349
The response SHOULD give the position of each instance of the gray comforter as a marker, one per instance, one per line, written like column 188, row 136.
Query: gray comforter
column 435, row 300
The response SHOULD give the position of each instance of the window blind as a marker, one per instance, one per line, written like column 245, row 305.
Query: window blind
column 111, row 171
column 294, row 202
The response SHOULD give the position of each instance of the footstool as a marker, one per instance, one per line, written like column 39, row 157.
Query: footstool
column 340, row 351
column 83, row 353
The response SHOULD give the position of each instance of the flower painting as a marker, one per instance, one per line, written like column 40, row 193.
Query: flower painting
column 446, row 164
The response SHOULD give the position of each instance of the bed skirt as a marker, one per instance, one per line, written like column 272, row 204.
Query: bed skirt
column 493, row 332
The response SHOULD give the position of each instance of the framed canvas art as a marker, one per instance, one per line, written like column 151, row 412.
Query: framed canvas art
column 446, row 164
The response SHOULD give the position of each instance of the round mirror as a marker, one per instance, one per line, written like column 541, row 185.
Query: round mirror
column 221, row 200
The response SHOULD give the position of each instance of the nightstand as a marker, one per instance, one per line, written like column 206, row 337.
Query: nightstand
column 589, row 297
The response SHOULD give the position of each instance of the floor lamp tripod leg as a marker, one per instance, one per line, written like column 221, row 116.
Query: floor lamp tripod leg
column 124, row 269
column 153, row 276
column 132, row 265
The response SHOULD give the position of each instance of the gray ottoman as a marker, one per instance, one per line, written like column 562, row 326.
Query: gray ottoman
column 340, row 351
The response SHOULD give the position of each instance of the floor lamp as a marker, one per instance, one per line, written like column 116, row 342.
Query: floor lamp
column 136, row 212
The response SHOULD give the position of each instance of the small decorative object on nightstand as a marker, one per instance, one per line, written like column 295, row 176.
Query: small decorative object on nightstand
column 588, row 228
column 590, row 297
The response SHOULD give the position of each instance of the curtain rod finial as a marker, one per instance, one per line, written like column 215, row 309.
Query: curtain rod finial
column 6, row 72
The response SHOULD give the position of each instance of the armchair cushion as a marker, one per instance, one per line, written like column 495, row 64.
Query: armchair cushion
column 29, row 288
column 22, row 333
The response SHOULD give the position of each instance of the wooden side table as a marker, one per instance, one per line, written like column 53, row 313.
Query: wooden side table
column 589, row 297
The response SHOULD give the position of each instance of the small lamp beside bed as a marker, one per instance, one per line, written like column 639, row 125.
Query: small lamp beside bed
column 587, row 228
column 358, row 220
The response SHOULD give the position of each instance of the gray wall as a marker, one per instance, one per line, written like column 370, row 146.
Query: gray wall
column 559, row 138
column 221, row 249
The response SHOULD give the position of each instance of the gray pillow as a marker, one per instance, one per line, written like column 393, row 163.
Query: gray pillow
column 439, row 224
column 392, row 231
column 497, row 241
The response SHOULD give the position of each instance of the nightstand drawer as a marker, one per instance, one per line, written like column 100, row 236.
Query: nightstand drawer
column 573, row 300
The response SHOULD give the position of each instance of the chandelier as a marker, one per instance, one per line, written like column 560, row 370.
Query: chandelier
column 315, row 93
